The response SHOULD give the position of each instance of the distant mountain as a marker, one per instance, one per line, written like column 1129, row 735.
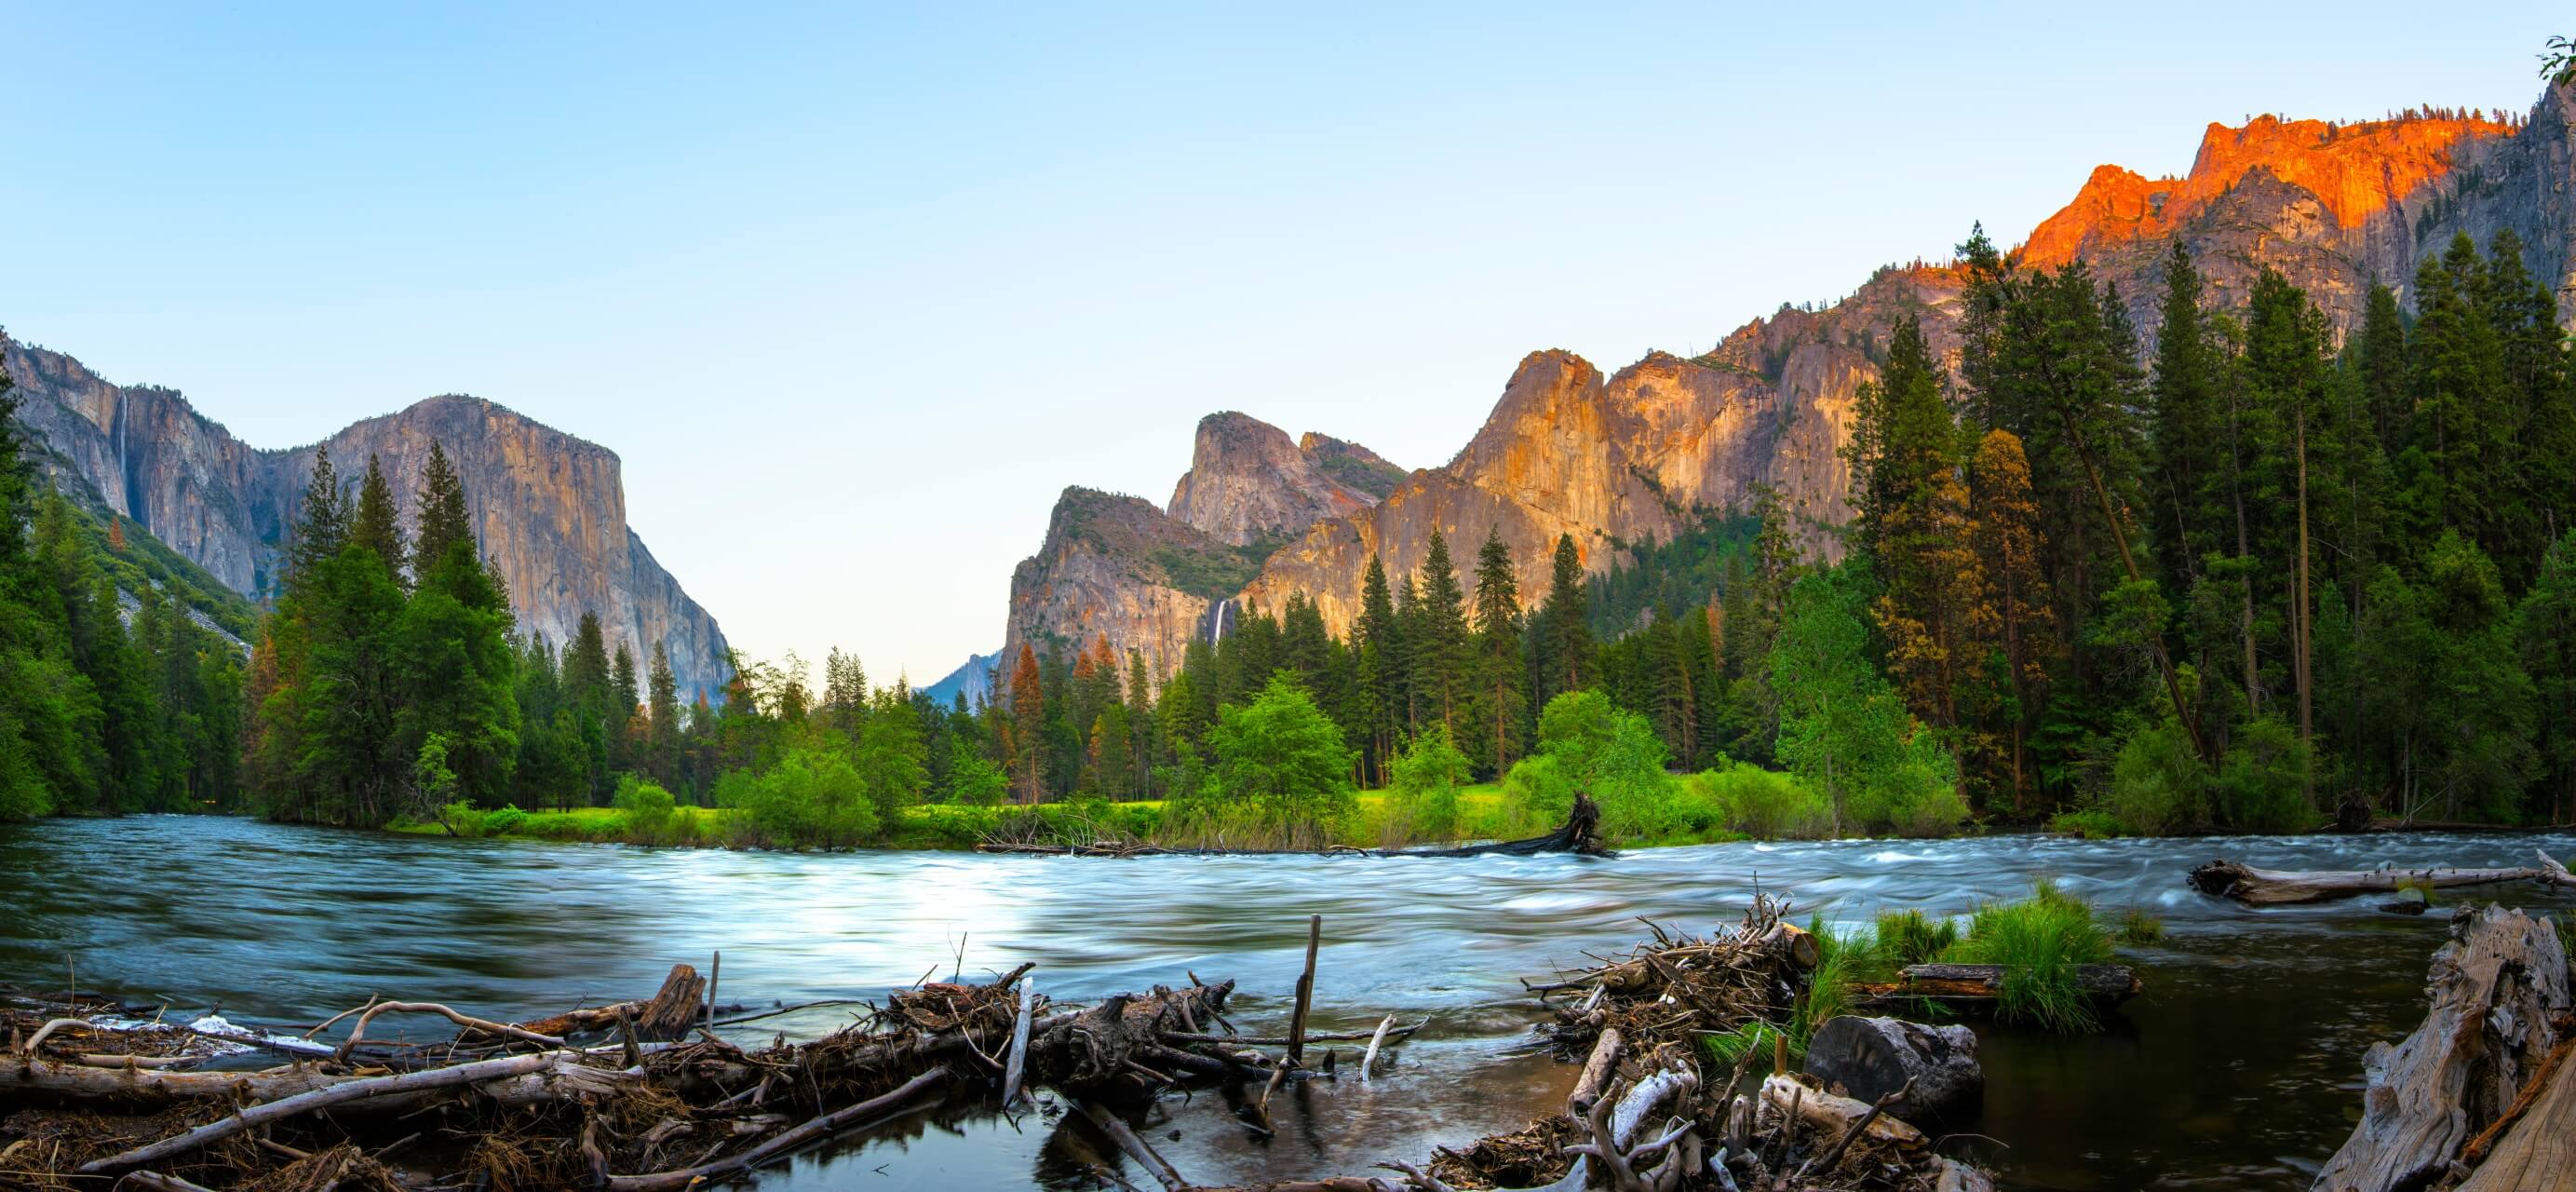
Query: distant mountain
column 550, row 508
column 1613, row 460
column 973, row 679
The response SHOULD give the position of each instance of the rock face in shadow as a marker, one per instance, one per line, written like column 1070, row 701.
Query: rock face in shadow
column 550, row 508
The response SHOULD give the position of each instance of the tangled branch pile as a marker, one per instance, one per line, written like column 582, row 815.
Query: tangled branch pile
column 535, row 1105
column 1655, row 1110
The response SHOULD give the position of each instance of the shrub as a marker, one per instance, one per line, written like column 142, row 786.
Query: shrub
column 507, row 820
column 461, row 819
column 1539, row 790
column 646, row 808
column 972, row 778
column 1618, row 759
column 1575, row 727
column 2091, row 823
column 1843, row 960
column 1639, row 800
column 1915, row 794
column 1729, row 1047
column 812, row 798
column 2139, row 927
column 1911, row 937
column 2262, row 786
column 1764, row 804
column 1282, row 758
column 1422, row 788
column 2039, row 941
column 2157, row 784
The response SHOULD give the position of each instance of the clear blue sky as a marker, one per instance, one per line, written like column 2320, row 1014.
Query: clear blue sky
column 856, row 289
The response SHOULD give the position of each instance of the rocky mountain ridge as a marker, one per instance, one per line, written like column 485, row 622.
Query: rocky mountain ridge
column 2335, row 207
column 550, row 508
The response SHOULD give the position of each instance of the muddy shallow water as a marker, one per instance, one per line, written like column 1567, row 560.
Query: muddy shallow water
column 2239, row 1068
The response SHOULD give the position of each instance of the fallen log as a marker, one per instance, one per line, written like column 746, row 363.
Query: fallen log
column 1977, row 986
column 2273, row 887
column 2498, row 987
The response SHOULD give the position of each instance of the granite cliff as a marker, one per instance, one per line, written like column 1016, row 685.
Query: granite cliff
column 2334, row 206
column 550, row 508
column 1247, row 482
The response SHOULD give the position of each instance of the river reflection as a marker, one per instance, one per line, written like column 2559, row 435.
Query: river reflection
column 2238, row 1069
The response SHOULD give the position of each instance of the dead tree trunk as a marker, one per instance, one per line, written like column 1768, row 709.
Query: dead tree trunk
column 2498, row 988
column 2270, row 887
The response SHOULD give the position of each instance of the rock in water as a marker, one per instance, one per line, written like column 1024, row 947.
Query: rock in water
column 1872, row 1057
column 2410, row 901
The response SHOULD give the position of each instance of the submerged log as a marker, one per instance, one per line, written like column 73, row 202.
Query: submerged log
column 2498, row 988
column 1977, row 986
column 2272, row 887
column 1580, row 835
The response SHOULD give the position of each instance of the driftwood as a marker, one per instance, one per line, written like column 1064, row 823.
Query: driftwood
column 1826, row 1111
column 560, row 1064
column 2538, row 1148
column 2272, row 887
column 668, row 1014
column 2499, row 988
column 1977, row 986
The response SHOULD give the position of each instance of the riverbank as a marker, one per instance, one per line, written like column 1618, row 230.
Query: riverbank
column 1376, row 821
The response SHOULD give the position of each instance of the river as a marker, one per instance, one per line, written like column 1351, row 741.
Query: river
column 2238, row 1068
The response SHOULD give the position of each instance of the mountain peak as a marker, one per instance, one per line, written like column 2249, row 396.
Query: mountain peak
column 1248, row 482
column 2355, row 171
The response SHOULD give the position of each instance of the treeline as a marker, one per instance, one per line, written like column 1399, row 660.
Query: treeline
column 2261, row 580
column 100, row 715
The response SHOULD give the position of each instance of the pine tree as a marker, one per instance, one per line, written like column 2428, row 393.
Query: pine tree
column 374, row 524
column 1913, row 526
column 444, row 520
column 663, row 756
column 1502, row 679
column 1026, row 746
column 1379, row 638
column 1564, row 648
column 321, row 524
column 1440, row 647
column 2006, row 534
column 2183, row 424
column 2379, row 354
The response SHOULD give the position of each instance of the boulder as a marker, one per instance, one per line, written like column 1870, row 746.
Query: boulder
column 1869, row 1058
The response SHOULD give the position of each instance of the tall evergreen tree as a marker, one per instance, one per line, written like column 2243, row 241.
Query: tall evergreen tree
column 374, row 524
column 1440, row 651
column 1564, row 631
column 1502, row 677
column 443, row 517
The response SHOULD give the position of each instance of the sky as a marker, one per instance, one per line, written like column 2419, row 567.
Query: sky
column 855, row 290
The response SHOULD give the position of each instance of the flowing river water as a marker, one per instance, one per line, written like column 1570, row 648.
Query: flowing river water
column 2240, row 1067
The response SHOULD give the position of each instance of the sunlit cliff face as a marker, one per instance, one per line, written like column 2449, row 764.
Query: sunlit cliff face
column 2355, row 170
